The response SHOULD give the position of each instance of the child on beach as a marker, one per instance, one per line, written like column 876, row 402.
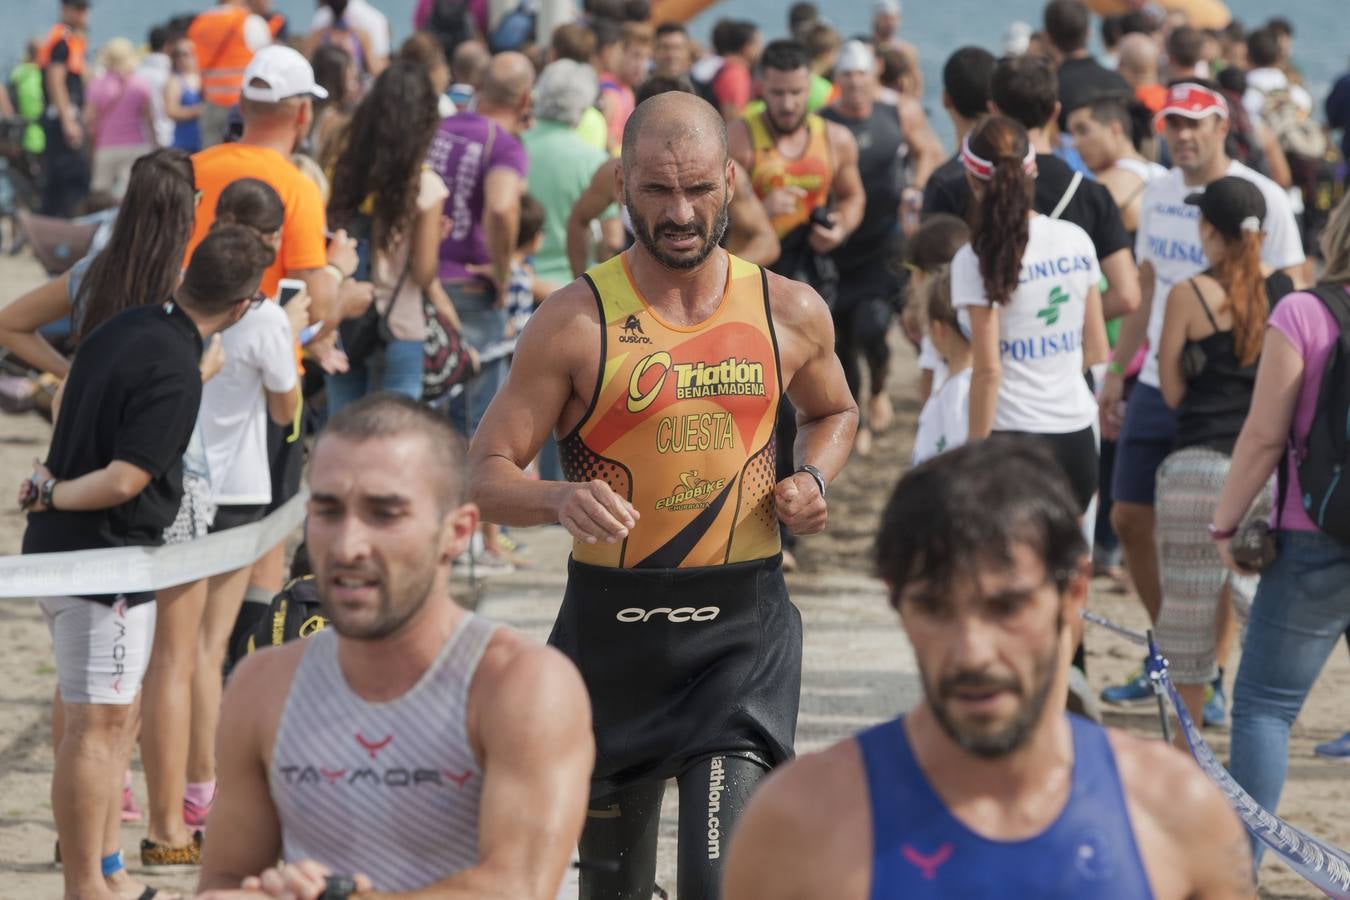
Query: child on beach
column 929, row 251
column 520, row 299
column 942, row 422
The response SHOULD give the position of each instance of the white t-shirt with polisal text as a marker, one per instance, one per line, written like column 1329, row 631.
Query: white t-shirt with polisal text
column 944, row 422
column 259, row 355
column 1169, row 239
column 1042, row 390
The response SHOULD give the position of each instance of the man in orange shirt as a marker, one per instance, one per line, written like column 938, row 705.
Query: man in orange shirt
column 62, row 60
column 225, row 39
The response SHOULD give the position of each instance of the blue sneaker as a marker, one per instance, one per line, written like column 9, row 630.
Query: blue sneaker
column 1337, row 749
column 1215, row 712
column 1136, row 690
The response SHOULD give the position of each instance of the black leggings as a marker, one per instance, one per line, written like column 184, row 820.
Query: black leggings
column 618, row 845
column 860, row 330
column 1076, row 453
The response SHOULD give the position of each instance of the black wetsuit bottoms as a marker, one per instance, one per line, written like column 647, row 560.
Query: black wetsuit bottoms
column 862, row 318
column 693, row 674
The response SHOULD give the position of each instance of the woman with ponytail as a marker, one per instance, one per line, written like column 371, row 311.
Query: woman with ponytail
column 1026, row 287
column 1212, row 334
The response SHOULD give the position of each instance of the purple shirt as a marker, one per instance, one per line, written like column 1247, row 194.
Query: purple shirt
column 1311, row 329
column 465, row 149
column 120, row 103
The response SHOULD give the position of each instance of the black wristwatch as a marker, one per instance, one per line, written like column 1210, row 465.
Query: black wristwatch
column 45, row 493
column 338, row 887
column 814, row 473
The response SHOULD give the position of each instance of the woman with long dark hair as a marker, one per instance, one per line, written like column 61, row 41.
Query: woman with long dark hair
column 381, row 187
column 1211, row 343
column 153, row 225
column 1027, row 286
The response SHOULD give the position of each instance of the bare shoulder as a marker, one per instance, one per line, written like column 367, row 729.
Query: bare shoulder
column 562, row 322
column 521, row 675
column 807, row 831
column 1157, row 775
column 841, row 139
column 794, row 304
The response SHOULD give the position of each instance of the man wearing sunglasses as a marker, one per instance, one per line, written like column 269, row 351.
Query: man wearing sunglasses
column 113, row 478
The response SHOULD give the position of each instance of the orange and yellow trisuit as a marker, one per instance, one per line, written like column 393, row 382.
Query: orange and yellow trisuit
column 682, row 425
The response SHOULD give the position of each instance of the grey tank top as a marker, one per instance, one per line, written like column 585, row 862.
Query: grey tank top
column 390, row 790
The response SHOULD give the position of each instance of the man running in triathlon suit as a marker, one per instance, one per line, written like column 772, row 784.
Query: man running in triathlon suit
column 1168, row 247
column 987, row 788
column 660, row 373
column 868, row 294
column 412, row 743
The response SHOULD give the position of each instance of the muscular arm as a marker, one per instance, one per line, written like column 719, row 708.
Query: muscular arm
column 827, row 416
column 1122, row 295
column 244, row 821
column 527, row 408
column 501, row 223
column 537, row 751
column 21, row 319
column 750, row 234
column 599, row 194
column 925, row 148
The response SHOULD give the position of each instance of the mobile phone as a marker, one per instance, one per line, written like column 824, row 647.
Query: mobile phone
column 287, row 288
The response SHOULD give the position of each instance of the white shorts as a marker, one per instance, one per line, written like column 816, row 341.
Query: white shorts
column 101, row 651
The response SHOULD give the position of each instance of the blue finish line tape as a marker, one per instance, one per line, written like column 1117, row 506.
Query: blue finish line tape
column 1323, row 866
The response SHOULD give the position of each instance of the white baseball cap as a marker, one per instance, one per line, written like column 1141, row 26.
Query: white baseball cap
column 284, row 73
column 855, row 56
column 886, row 7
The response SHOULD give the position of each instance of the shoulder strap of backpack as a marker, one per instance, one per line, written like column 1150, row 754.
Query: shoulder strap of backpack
column 1064, row 201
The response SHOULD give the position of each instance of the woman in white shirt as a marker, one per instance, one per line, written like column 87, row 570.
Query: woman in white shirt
column 1026, row 285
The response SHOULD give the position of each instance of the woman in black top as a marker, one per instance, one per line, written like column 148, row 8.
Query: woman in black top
column 1211, row 343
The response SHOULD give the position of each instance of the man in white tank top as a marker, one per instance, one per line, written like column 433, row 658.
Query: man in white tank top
column 412, row 744
column 1101, row 135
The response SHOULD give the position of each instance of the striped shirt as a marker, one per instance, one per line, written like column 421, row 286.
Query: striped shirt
column 389, row 790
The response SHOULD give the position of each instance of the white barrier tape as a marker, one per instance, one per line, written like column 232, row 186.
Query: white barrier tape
column 132, row 569
column 1321, row 865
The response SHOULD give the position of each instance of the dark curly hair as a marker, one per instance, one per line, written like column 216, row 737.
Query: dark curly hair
column 386, row 144
column 999, row 230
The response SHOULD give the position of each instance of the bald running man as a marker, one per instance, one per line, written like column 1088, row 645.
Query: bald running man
column 413, row 744
column 660, row 372
column 987, row 788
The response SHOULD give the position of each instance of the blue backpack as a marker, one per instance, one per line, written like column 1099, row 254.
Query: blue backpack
column 515, row 30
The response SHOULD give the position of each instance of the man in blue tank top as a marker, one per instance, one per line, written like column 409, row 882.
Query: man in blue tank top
column 987, row 788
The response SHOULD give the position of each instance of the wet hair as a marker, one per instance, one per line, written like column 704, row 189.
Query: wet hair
column 701, row 113
column 1185, row 46
column 1263, row 48
column 785, row 56
column 531, row 220
column 999, row 230
column 662, row 84
column 152, row 228
column 1066, row 24
column 386, row 143
column 733, row 35
column 251, row 202
column 1025, row 89
column 966, row 78
column 573, row 41
column 226, row 267
column 972, row 505
column 938, row 302
column 384, row 414
column 936, row 241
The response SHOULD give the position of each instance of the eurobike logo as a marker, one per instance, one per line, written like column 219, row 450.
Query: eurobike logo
column 632, row 332
column 678, row 615
column 691, row 493
column 1058, row 297
column 730, row 377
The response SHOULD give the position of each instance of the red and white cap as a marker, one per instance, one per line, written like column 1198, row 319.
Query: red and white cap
column 1194, row 101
